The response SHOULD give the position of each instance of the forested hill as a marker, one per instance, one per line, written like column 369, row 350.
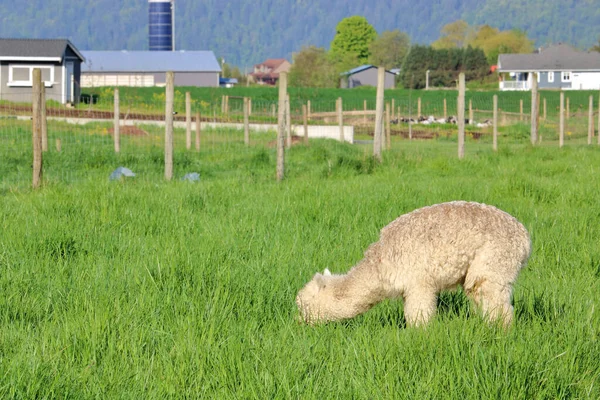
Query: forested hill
column 245, row 32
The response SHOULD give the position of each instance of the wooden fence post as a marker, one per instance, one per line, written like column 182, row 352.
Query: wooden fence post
column 340, row 112
column 198, row 128
column 288, row 121
column 418, row 108
column 561, row 119
column 116, row 123
column 58, row 145
column 43, row 118
column 534, row 109
column 591, row 120
column 188, row 120
column 461, row 115
column 249, row 106
column 521, row 110
column 169, row 95
column 471, row 118
column 308, row 110
column 37, row 128
column 281, row 124
column 545, row 110
column 246, row 121
column 378, row 135
column 388, row 140
column 393, row 108
column 365, row 112
column 568, row 112
column 305, row 122
column 495, row 122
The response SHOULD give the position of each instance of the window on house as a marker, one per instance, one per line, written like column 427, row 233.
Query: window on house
column 566, row 76
column 22, row 75
column 550, row 76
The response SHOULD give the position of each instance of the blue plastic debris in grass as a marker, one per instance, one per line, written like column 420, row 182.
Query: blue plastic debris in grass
column 192, row 177
column 120, row 173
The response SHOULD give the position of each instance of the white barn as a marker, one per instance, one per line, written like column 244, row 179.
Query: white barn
column 148, row 68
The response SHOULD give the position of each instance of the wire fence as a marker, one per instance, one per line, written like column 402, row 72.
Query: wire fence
column 80, row 139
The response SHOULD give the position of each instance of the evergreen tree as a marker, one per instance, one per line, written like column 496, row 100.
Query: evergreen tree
column 444, row 65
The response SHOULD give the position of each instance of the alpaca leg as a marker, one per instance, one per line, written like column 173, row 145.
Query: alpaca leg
column 419, row 307
column 493, row 298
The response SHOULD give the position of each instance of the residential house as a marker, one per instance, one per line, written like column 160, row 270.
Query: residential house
column 366, row 75
column 59, row 62
column 558, row 67
column 149, row 68
column 267, row 73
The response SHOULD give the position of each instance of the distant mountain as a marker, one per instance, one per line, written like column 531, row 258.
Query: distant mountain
column 245, row 33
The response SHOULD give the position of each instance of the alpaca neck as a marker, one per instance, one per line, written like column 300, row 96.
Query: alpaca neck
column 358, row 290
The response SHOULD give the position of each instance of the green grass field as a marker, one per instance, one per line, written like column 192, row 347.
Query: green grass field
column 152, row 289
column 208, row 100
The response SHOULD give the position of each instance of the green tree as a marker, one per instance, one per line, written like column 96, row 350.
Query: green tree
column 389, row 49
column 237, row 74
column 353, row 35
column 491, row 40
column 225, row 70
column 443, row 65
column 474, row 63
column 512, row 41
column 454, row 35
column 312, row 67
column 414, row 66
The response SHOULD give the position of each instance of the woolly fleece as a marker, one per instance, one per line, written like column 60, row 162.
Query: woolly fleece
column 422, row 253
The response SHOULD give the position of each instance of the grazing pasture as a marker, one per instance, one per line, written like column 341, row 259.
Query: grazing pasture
column 143, row 288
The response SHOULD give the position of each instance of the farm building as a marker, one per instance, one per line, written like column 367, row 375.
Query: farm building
column 558, row 67
column 58, row 59
column 148, row 68
column 267, row 73
column 366, row 75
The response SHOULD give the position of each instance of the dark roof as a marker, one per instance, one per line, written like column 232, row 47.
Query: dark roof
column 50, row 49
column 363, row 68
column 150, row 61
column 272, row 62
column 559, row 57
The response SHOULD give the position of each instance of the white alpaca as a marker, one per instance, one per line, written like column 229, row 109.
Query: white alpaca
column 422, row 253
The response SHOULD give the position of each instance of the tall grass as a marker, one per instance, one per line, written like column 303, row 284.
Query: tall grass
column 149, row 289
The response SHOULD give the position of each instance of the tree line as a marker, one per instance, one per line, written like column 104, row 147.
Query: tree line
column 460, row 48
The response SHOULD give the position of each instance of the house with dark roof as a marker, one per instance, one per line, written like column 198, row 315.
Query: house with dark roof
column 267, row 73
column 149, row 68
column 58, row 59
column 558, row 67
column 366, row 75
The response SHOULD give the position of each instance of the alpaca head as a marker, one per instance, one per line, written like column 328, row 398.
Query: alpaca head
column 317, row 301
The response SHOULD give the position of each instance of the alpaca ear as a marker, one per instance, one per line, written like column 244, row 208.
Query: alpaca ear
column 327, row 272
column 320, row 280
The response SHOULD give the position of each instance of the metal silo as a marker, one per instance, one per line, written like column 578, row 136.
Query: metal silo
column 161, row 27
